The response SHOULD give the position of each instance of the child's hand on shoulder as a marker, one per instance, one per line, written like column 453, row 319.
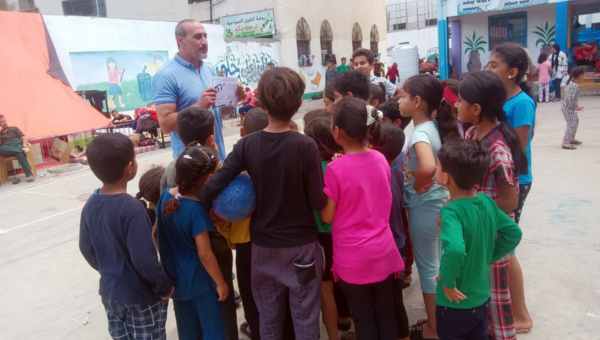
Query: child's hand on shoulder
column 454, row 295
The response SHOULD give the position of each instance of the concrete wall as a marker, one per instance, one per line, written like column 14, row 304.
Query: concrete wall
column 536, row 16
column 341, row 15
column 425, row 39
column 221, row 8
column 164, row 10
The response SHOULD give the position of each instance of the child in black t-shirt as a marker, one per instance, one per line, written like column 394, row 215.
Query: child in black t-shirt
column 285, row 169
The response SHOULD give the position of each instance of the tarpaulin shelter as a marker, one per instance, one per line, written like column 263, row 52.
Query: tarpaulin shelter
column 34, row 93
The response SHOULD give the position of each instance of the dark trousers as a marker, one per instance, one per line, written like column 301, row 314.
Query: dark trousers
column 462, row 324
column 373, row 309
column 199, row 318
column 10, row 151
column 243, row 263
column 556, row 85
column 243, row 260
column 401, row 315
column 288, row 278
column 225, row 259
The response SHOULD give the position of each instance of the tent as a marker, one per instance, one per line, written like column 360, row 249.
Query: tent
column 35, row 95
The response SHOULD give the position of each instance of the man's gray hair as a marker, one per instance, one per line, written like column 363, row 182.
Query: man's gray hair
column 180, row 30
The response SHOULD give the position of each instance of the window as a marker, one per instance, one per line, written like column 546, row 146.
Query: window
column 397, row 16
column 356, row 37
column 431, row 22
column 398, row 27
column 303, row 43
column 92, row 8
column 326, row 42
column 508, row 28
column 375, row 40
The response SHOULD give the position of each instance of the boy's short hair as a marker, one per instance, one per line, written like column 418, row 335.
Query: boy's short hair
column 280, row 92
column 350, row 115
column 391, row 109
column 353, row 82
column 195, row 125
column 149, row 184
column 319, row 129
column 465, row 161
column 255, row 120
column 108, row 156
column 377, row 92
column 363, row 52
column 388, row 139
column 314, row 114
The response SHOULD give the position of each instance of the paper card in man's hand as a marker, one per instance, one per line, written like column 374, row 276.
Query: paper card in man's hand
column 226, row 89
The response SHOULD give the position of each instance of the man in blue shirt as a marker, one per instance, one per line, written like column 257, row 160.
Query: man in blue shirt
column 186, row 81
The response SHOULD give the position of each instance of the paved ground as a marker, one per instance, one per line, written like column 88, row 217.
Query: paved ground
column 49, row 292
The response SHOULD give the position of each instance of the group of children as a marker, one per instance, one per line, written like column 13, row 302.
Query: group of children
column 340, row 208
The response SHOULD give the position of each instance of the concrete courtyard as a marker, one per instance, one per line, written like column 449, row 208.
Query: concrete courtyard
column 49, row 292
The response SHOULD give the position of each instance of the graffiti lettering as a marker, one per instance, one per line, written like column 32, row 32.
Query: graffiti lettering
column 245, row 64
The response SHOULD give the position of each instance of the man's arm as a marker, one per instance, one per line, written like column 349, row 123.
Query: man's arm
column 167, row 117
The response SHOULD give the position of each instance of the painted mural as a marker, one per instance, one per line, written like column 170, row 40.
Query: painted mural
column 545, row 34
column 313, row 76
column 246, row 61
column 474, row 46
column 126, row 76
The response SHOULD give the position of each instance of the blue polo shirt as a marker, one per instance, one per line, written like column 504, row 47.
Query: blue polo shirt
column 520, row 112
column 181, row 83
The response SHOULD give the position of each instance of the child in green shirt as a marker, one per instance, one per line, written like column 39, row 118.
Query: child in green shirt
column 474, row 234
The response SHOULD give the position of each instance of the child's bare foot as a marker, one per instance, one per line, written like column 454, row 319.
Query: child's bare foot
column 523, row 327
column 428, row 332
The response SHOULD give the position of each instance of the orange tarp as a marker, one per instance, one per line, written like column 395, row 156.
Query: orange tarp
column 40, row 105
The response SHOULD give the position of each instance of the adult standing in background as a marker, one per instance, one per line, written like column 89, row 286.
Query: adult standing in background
column 343, row 67
column 331, row 71
column 186, row 81
column 392, row 73
column 363, row 61
column 560, row 69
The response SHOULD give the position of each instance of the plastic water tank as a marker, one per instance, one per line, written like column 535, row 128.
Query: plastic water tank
column 407, row 58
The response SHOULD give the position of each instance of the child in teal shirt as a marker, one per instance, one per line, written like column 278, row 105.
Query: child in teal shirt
column 474, row 234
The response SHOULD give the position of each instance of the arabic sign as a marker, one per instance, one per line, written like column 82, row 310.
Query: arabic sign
column 259, row 24
column 477, row 6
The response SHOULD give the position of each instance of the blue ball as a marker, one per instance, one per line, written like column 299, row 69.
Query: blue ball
column 237, row 201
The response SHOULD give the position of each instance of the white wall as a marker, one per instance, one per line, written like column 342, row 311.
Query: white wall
column 425, row 39
column 536, row 16
column 341, row 15
column 223, row 8
column 166, row 10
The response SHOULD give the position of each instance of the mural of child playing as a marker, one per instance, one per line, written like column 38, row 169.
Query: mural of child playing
column 115, row 77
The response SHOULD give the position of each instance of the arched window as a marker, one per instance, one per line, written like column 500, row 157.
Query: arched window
column 374, row 40
column 356, row 37
column 303, row 42
column 326, row 41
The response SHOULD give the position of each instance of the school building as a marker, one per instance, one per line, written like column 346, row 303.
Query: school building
column 469, row 29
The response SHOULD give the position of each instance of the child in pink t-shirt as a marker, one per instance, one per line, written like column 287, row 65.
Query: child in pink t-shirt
column 365, row 256
column 544, row 68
